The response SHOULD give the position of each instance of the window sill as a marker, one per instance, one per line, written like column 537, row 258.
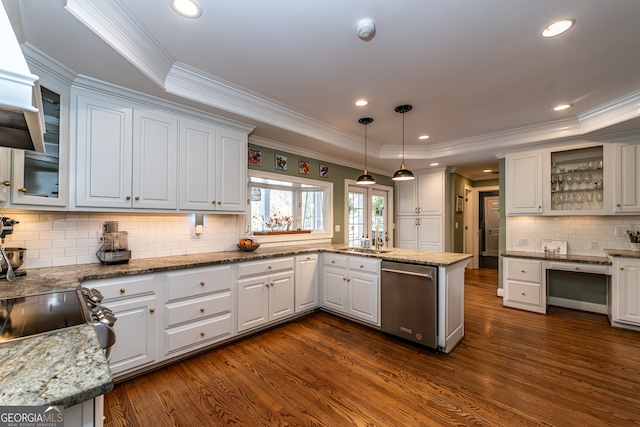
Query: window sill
column 276, row 233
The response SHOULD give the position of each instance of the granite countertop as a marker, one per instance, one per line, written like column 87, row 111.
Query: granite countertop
column 585, row 259
column 67, row 367
column 622, row 253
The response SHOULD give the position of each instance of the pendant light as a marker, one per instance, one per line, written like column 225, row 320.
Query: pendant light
column 403, row 174
column 365, row 178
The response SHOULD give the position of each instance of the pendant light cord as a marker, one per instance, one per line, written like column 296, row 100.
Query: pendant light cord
column 365, row 147
column 403, row 137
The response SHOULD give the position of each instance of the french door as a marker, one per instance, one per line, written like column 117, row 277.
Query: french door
column 368, row 214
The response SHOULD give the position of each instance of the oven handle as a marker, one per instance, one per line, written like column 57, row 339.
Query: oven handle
column 410, row 273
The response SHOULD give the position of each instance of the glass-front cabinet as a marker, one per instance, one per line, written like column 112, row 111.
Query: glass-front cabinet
column 39, row 179
column 577, row 180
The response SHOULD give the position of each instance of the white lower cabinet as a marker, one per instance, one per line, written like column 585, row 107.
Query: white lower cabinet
column 133, row 302
column 198, row 308
column 625, row 291
column 523, row 284
column 265, row 292
column 351, row 285
column 89, row 413
column 306, row 290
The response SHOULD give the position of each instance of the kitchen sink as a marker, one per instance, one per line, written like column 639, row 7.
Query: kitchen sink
column 365, row 250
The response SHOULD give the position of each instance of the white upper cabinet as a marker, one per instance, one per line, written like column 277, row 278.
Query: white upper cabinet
column 213, row 168
column 627, row 180
column 524, row 183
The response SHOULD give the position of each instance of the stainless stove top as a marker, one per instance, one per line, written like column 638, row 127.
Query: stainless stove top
column 36, row 314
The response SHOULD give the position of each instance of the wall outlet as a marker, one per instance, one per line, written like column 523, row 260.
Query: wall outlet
column 593, row 245
column 337, row 228
column 522, row 242
column 620, row 231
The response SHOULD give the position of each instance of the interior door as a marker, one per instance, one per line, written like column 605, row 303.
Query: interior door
column 492, row 225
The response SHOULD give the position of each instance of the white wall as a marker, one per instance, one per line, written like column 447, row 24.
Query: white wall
column 579, row 231
column 56, row 239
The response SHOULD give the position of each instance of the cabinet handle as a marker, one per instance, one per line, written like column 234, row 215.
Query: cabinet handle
column 6, row 183
column 621, row 268
column 213, row 202
column 344, row 279
column 523, row 293
column 128, row 197
column 271, row 284
column 521, row 271
column 361, row 266
column 577, row 268
column 201, row 309
column 333, row 261
column 308, row 258
column 267, row 284
column 201, row 334
column 539, row 207
column 22, row 190
column 137, row 197
column 152, row 309
column 348, row 280
column 202, row 283
column 618, row 204
column 122, row 290
column 219, row 202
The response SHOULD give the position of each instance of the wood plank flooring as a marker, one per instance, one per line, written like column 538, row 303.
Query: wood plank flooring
column 514, row 368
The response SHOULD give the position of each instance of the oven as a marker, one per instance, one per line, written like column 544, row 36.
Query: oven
column 31, row 315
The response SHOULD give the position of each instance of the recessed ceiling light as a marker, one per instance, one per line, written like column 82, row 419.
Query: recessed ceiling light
column 487, row 171
column 558, row 27
column 562, row 107
column 361, row 102
column 434, row 164
column 423, row 137
column 186, row 8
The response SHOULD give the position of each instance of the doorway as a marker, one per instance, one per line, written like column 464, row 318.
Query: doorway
column 368, row 214
column 489, row 229
column 475, row 222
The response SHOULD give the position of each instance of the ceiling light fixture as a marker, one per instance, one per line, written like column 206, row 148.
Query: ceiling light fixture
column 361, row 103
column 487, row 171
column 403, row 174
column 423, row 137
column 186, row 8
column 562, row 107
column 365, row 178
column 366, row 29
column 557, row 27
column 434, row 164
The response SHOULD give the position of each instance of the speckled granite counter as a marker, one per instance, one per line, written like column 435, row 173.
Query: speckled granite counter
column 65, row 367
column 40, row 280
column 622, row 253
column 68, row 367
column 585, row 259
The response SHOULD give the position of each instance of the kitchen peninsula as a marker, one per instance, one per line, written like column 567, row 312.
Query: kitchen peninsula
column 162, row 271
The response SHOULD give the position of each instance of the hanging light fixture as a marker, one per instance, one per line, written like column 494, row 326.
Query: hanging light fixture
column 403, row 174
column 365, row 178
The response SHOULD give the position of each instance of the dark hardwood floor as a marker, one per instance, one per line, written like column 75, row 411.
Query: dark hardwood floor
column 513, row 368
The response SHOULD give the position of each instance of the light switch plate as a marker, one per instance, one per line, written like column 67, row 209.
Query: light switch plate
column 337, row 228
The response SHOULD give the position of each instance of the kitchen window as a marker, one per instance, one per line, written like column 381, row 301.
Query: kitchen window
column 284, row 208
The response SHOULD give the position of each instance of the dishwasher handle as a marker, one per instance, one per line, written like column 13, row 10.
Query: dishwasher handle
column 410, row 273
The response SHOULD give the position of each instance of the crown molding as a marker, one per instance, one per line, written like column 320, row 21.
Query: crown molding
column 40, row 61
column 116, row 27
column 619, row 110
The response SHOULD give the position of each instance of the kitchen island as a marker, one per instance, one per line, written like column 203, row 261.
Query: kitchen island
column 60, row 372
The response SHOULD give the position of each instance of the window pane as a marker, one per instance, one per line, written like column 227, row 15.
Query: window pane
column 312, row 206
column 356, row 218
column 272, row 210
column 377, row 218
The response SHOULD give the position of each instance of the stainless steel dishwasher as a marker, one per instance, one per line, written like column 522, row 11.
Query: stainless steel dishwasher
column 409, row 302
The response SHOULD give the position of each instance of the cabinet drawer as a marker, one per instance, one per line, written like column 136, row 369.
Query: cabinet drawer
column 196, row 282
column 339, row 261
column 527, row 270
column 262, row 267
column 197, row 309
column 526, row 293
column 113, row 289
column 363, row 264
column 201, row 333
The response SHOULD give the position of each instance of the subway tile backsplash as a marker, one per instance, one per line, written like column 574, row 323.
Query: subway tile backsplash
column 578, row 231
column 58, row 239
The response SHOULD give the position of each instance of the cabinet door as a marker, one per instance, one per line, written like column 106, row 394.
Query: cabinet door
column 406, row 195
column 406, row 229
column 135, row 333
column 524, row 183
column 626, row 291
column 334, row 289
column 104, row 141
column 431, row 193
column 306, row 295
column 155, row 161
column 231, row 171
column 281, row 295
column 197, row 153
column 363, row 296
column 5, row 173
column 627, row 178
column 430, row 233
column 253, row 302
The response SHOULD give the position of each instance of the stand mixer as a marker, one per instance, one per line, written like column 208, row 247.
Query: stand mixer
column 16, row 257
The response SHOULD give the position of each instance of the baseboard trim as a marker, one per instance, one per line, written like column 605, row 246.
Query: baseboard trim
column 577, row 305
column 501, row 292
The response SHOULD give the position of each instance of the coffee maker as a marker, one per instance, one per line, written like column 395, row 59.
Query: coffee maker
column 114, row 245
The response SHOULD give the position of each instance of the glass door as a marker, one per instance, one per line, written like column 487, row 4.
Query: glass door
column 367, row 215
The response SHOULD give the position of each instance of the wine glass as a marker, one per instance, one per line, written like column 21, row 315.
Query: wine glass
column 589, row 198
column 577, row 178
column 560, row 181
column 568, row 198
column 586, row 178
column 598, row 196
column 579, row 198
column 554, row 182
column 568, row 179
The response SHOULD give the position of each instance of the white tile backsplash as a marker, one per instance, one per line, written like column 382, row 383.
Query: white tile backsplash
column 58, row 239
column 578, row 231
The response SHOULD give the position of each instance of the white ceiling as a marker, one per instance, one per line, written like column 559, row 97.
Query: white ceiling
column 478, row 74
